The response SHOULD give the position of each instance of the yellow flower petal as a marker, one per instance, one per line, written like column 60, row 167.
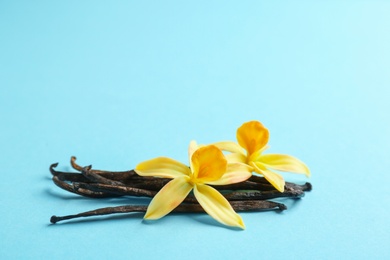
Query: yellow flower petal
column 229, row 147
column 272, row 177
column 162, row 167
column 235, row 158
column 252, row 136
column 168, row 198
column 235, row 172
column 217, row 206
column 256, row 155
column 208, row 163
column 191, row 149
column 283, row 162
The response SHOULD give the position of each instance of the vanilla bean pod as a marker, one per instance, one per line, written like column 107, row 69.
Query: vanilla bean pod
column 250, row 195
column 258, row 179
column 83, row 192
column 254, row 182
column 115, row 190
column 94, row 177
column 99, row 190
column 304, row 187
column 230, row 195
column 115, row 176
column 154, row 184
column 67, row 176
column 194, row 208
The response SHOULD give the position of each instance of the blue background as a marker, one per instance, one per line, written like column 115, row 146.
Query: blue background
column 119, row 82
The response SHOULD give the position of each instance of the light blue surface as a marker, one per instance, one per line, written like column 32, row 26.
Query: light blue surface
column 119, row 82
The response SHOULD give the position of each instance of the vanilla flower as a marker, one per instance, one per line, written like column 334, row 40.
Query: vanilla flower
column 208, row 165
column 252, row 140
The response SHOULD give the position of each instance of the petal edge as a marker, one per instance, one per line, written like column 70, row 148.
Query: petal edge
column 162, row 167
column 284, row 162
column 168, row 198
column 229, row 146
column 235, row 172
column 217, row 206
column 272, row 177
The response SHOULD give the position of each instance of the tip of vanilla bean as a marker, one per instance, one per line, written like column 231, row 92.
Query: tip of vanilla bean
column 53, row 219
column 54, row 165
column 282, row 207
column 308, row 186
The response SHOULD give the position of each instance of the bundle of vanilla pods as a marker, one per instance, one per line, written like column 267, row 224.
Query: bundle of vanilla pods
column 253, row 194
